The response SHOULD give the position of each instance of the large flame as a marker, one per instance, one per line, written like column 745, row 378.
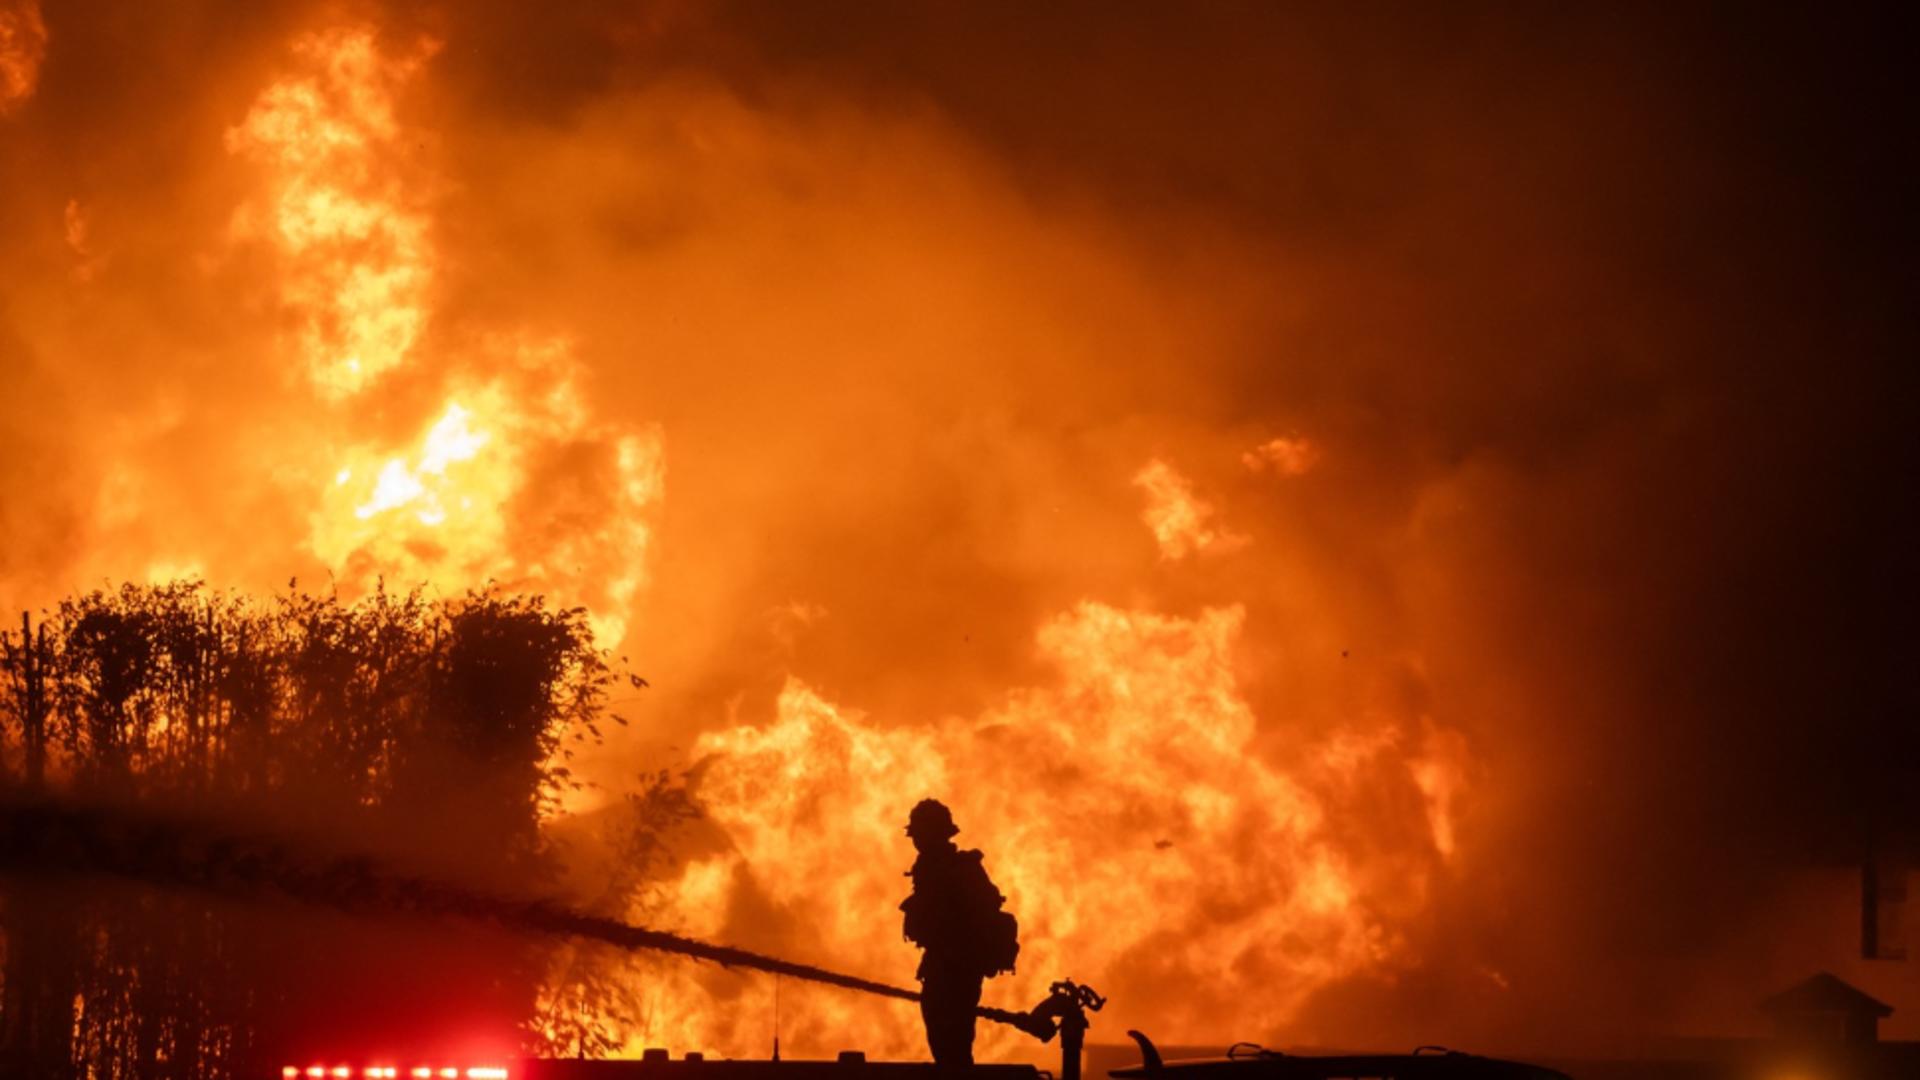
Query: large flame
column 344, row 207
column 1156, row 836
column 1126, row 810
column 1330, row 500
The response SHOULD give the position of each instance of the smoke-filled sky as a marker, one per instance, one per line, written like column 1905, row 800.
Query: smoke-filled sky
column 1514, row 393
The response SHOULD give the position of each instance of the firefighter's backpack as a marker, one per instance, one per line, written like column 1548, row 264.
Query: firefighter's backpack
column 999, row 943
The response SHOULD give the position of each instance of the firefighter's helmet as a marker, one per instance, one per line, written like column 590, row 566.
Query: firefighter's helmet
column 930, row 817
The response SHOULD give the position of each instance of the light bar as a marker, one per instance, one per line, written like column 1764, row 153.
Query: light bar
column 392, row 1073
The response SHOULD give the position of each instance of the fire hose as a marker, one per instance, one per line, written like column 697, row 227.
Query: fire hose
column 47, row 838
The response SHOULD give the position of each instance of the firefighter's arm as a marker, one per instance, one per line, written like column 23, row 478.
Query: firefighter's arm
column 912, row 909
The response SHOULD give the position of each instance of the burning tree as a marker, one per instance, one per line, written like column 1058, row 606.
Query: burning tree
column 424, row 733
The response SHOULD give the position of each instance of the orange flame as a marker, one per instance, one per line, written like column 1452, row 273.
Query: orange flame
column 1127, row 807
column 1287, row 455
column 23, row 45
column 357, row 265
column 345, row 211
column 1157, row 838
column 1144, row 841
column 1181, row 521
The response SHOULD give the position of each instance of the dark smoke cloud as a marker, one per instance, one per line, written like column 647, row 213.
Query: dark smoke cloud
column 1599, row 318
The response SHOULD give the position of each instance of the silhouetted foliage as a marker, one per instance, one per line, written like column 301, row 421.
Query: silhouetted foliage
column 420, row 731
column 593, row 1000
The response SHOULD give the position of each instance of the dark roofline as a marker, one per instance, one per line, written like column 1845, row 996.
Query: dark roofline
column 1825, row 992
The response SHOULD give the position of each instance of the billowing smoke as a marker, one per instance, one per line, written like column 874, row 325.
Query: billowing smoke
column 1458, row 453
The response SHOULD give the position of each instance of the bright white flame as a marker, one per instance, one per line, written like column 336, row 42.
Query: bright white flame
column 451, row 439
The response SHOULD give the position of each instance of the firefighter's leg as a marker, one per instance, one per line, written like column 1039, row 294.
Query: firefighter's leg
column 947, row 1004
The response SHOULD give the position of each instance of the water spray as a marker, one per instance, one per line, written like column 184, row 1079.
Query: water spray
column 45, row 838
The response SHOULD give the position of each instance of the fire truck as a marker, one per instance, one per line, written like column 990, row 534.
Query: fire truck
column 1062, row 1015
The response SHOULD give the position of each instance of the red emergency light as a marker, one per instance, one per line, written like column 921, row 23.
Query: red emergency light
column 394, row 1073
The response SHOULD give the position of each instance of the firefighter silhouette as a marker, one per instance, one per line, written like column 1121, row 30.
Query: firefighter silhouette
column 955, row 916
